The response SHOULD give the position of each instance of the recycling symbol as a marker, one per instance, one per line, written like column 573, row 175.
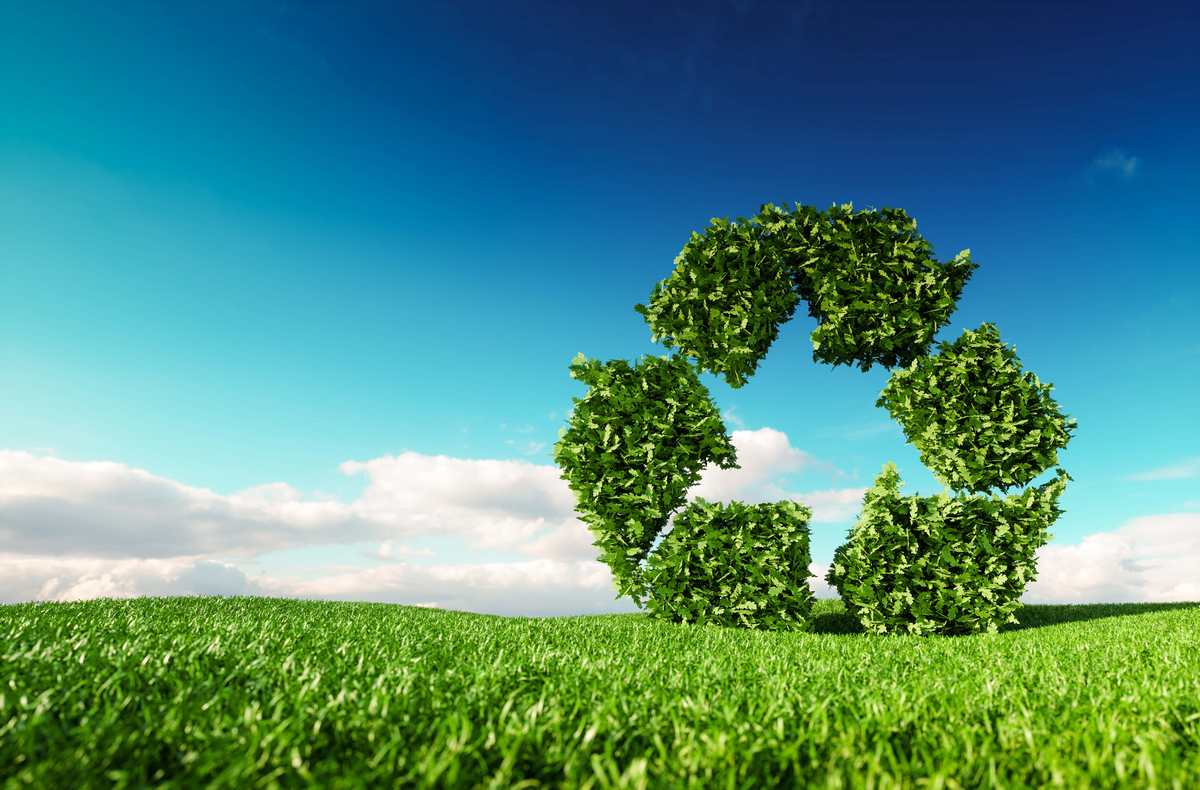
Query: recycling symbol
column 638, row 440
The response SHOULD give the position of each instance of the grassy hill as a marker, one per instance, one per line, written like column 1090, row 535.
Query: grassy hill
column 252, row 692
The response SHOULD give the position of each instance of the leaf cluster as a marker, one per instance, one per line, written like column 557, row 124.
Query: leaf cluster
column 924, row 565
column 871, row 281
column 635, row 444
column 725, row 300
column 735, row 565
column 977, row 420
column 868, row 277
column 942, row 564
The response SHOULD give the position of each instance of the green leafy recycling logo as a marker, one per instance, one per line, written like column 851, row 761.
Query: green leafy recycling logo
column 637, row 442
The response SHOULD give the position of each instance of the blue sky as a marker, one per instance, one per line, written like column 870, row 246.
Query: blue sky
column 242, row 246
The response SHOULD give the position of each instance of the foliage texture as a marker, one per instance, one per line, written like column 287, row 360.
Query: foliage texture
column 868, row 277
column 636, row 444
column 920, row 565
column 874, row 286
column 725, row 300
column 978, row 422
column 734, row 564
column 942, row 564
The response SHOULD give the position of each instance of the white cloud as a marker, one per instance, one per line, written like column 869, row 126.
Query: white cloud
column 78, row 529
column 50, row 505
column 539, row 587
column 390, row 549
column 831, row 505
column 764, row 455
column 533, row 588
column 412, row 482
column 1149, row 558
column 48, row 578
column 1116, row 161
column 571, row 540
column 492, row 504
column 1187, row 469
column 817, row 583
column 103, row 509
column 761, row 455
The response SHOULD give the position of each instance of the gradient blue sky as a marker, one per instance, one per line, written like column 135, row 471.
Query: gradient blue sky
column 245, row 242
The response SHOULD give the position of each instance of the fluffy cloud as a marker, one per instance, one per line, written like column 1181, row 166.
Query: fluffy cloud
column 761, row 455
column 1150, row 558
column 53, row 506
column 415, row 483
column 829, row 505
column 491, row 504
column 539, row 588
column 817, row 582
column 390, row 549
column 764, row 455
column 533, row 588
column 102, row 509
column 85, row 529
column 80, row 529
column 46, row 578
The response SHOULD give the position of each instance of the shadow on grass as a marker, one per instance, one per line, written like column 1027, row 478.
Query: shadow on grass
column 1040, row 615
column 834, row 619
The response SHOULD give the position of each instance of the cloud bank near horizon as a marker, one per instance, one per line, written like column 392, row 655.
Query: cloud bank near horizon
column 72, row 530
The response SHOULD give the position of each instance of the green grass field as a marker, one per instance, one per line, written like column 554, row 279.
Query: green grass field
column 251, row 692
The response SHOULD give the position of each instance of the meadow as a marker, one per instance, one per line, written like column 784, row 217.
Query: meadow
column 257, row 692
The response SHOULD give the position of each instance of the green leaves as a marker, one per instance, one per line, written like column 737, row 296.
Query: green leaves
column 724, row 302
column 942, row 564
column 635, row 444
column 868, row 277
column 936, row 564
column 871, row 281
column 734, row 564
column 978, row 421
